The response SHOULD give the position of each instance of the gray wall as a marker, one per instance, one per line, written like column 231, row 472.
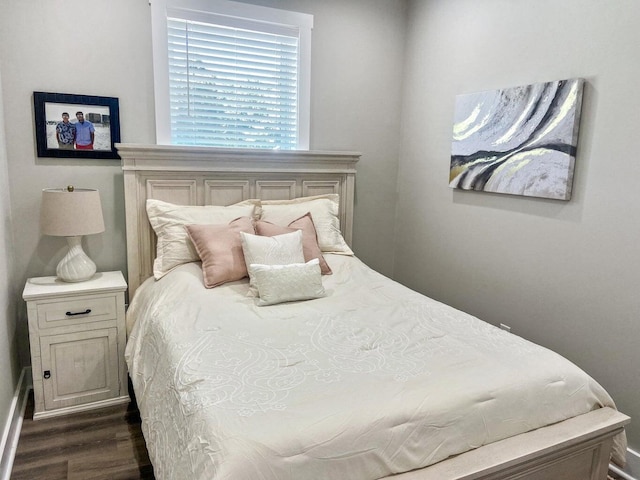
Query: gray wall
column 94, row 48
column 9, row 365
column 563, row 274
column 104, row 48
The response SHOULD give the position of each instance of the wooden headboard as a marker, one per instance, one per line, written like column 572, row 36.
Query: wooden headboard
column 214, row 176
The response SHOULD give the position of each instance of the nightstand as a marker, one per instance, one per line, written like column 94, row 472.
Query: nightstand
column 77, row 337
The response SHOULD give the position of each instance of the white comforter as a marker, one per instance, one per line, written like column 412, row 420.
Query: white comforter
column 372, row 380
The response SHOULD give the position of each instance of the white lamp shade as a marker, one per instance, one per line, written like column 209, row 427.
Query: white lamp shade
column 67, row 213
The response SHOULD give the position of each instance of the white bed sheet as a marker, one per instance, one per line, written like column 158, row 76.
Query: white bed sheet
column 371, row 380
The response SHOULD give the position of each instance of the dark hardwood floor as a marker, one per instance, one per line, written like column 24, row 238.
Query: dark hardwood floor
column 104, row 444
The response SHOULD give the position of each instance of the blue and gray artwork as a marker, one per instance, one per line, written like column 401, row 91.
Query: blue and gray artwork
column 520, row 140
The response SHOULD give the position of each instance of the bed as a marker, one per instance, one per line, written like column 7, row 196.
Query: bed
column 367, row 380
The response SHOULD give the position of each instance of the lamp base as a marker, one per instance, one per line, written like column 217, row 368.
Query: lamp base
column 76, row 266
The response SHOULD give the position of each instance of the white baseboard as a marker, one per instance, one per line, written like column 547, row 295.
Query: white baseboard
column 631, row 471
column 11, row 433
column 633, row 463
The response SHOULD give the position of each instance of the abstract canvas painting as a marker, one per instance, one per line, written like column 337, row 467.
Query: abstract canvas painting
column 519, row 141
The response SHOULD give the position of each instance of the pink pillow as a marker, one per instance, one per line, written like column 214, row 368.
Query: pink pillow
column 220, row 249
column 310, row 247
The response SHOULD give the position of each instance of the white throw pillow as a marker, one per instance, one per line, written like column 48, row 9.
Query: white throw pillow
column 324, row 211
column 277, row 250
column 287, row 283
column 168, row 220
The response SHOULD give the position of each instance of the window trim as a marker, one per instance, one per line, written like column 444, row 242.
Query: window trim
column 236, row 12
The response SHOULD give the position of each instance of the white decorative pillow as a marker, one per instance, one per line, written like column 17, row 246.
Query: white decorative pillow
column 277, row 250
column 287, row 283
column 324, row 211
column 168, row 220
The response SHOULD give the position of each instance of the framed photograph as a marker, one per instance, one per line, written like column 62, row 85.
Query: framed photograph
column 79, row 126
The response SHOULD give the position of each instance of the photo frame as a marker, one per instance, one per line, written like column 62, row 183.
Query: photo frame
column 57, row 136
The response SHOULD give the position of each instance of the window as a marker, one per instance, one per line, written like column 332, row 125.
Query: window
column 231, row 74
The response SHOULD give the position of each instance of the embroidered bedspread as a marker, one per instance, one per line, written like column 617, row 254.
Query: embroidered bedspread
column 371, row 380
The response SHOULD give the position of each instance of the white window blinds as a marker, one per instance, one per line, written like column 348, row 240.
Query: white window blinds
column 232, row 87
column 231, row 74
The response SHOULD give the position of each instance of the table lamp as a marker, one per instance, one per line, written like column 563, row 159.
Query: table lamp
column 72, row 212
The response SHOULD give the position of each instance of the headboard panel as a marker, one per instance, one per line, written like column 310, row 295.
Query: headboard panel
column 214, row 176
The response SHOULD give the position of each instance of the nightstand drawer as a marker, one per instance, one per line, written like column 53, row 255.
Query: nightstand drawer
column 75, row 310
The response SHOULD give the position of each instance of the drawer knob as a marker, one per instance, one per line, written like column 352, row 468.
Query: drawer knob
column 71, row 314
column 47, row 374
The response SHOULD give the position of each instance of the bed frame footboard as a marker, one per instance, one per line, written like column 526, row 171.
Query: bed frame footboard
column 577, row 449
